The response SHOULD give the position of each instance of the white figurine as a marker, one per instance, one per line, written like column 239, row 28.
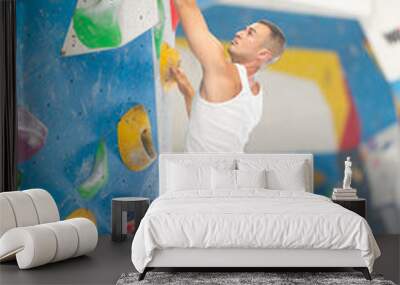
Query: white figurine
column 347, row 174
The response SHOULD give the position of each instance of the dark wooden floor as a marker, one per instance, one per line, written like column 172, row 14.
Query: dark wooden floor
column 110, row 260
column 102, row 266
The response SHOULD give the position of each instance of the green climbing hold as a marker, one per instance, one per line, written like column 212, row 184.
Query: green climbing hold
column 97, row 26
column 159, row 28
column 99, row 176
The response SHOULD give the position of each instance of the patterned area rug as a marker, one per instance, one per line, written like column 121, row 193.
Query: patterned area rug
column 225, row 278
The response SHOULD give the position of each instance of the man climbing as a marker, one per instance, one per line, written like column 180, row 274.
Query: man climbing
column 229, row 103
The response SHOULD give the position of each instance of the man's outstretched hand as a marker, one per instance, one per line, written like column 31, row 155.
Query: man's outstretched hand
column 182, row 81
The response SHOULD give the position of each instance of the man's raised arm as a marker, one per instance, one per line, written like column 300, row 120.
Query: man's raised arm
column 207, row 49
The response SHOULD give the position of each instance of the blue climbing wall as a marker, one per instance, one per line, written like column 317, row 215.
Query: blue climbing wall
column 69, row 109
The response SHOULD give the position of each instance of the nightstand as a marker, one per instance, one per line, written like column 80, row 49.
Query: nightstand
column 126, row 214
column 358, row 206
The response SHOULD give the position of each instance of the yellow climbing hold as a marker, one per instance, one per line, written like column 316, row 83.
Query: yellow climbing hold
column 82, row 213
column 135, row 142
column 169, row 57
column 319, row 178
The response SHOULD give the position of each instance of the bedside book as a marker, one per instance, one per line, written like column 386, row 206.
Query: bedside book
column 340, row 190
column 344, row 194
column 334, row 197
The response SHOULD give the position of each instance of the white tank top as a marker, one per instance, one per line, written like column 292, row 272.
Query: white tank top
column 225, row 126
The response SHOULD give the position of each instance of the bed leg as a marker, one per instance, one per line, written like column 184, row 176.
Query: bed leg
column 364, row 271
column 143, row 274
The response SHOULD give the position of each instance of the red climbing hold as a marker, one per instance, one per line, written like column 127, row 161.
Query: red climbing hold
column 174, row 15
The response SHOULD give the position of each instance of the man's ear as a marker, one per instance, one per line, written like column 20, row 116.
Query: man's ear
column 265, row 55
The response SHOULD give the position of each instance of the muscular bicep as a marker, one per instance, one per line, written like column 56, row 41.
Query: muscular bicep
column 207, row 49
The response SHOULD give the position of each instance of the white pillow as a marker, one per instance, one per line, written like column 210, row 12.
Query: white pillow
column 223, row 179
column 188, row 177
column 290, row 179
column 216, row 162
column 281, row 174
column 251, row 178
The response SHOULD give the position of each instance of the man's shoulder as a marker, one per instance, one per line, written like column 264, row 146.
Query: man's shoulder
column 224, row 84
column 224, row 74
column 222, row 69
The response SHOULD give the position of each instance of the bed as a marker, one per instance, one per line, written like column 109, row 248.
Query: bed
column 245, row 211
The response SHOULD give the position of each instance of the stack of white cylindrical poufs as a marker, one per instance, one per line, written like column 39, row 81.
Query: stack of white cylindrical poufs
column 31, row 230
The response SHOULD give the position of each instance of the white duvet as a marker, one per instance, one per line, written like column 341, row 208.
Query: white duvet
column 251, row 218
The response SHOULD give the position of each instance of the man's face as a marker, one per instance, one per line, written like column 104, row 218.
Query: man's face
column 247, row 43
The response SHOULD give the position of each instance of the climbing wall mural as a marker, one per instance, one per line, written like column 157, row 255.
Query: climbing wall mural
column 87, row 124
column 328, row 92
column 97, row 103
